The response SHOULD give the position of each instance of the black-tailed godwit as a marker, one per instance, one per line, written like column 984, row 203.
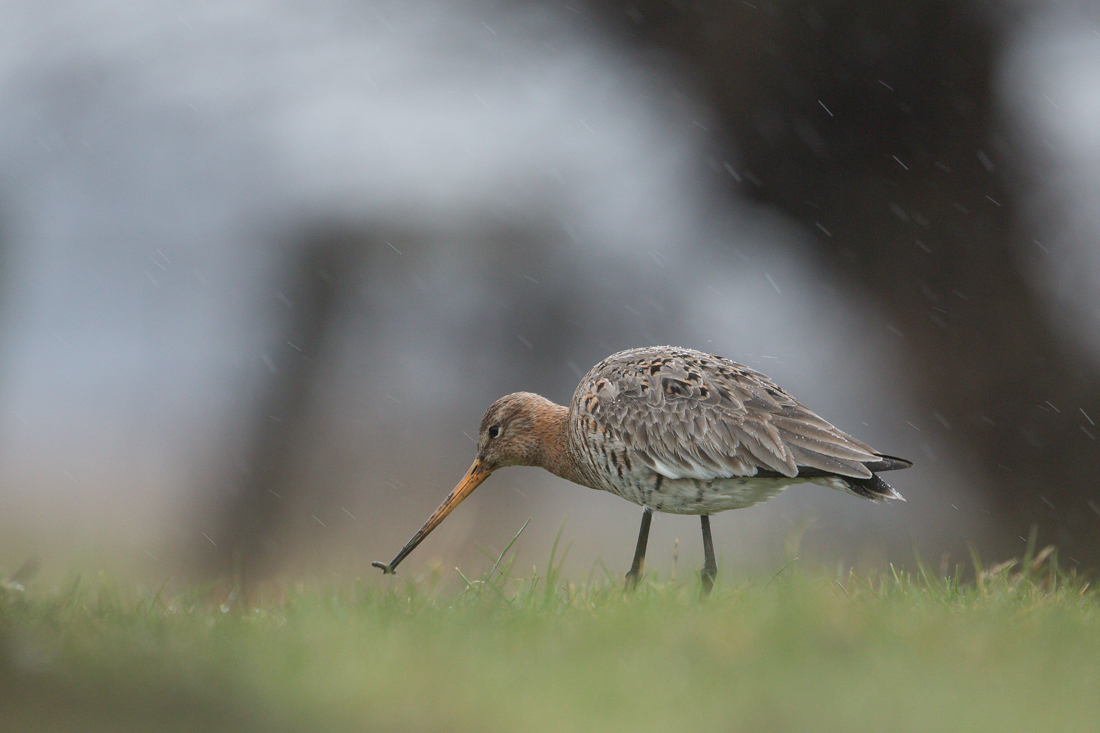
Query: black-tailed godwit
column 673, row 430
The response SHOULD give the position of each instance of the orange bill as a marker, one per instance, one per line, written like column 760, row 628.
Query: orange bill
column 466, row 486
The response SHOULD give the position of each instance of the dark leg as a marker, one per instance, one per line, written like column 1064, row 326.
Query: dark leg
column 635, row 573
column 710, row 567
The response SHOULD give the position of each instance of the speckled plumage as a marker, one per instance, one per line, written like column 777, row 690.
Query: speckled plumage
column 674, row 430
column 685, row 432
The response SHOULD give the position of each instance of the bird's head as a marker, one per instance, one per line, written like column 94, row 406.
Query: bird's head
column 512, row 432
column 520, row 429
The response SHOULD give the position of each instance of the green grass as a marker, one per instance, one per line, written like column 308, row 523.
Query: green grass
column 1016, row 649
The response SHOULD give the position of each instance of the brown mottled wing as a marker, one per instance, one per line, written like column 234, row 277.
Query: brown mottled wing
column 686, row 414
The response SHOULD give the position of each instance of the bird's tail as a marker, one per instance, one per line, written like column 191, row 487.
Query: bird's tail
column 888, row 463
column 873, row 488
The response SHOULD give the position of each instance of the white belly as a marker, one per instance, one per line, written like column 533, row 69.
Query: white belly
column 695, row 496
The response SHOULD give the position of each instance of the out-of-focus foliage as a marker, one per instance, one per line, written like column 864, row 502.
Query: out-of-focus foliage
column 263, row 266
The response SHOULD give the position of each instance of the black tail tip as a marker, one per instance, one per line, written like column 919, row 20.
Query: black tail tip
column 384, row 567
column 889, row 463
column 874, row 488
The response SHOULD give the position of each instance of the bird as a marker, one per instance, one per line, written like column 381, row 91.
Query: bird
column 673, row 430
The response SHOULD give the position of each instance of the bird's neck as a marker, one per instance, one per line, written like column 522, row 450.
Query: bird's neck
column 553, row 436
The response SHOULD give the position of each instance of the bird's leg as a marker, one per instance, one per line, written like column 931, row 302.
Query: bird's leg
column 710, row 567
column 635, row 573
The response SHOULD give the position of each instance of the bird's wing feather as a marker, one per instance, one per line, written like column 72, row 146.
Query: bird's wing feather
column 686, row 414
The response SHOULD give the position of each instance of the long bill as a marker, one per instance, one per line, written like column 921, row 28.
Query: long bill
column 469, row 482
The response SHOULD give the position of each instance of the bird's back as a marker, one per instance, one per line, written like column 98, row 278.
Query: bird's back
column 654, row 422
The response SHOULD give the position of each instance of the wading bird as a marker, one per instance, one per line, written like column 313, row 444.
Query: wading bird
column 674, row 430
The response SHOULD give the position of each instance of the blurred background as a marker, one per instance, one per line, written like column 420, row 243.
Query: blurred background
column 263, row 267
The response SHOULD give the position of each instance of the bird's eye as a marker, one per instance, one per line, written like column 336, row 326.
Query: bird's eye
column 494, row 431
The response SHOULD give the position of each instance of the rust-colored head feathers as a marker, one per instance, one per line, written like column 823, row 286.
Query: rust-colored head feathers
column 520, row 429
